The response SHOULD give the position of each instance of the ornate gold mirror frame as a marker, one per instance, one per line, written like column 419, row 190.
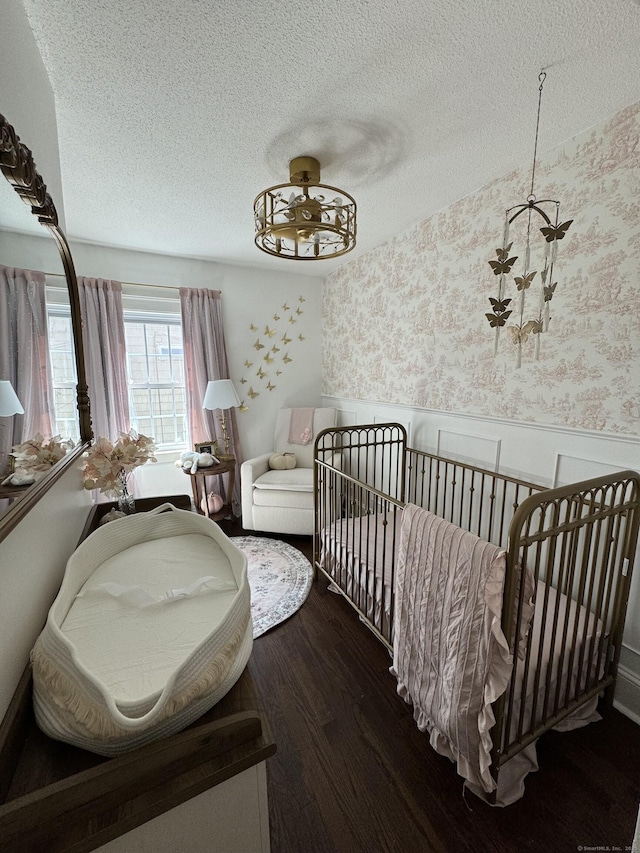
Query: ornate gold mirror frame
column 18, row 167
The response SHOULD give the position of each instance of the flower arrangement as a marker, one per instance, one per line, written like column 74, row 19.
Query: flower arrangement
column 108, row 466
column 35, row 455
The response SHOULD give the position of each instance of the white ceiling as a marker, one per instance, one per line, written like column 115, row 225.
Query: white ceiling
column 172, row 116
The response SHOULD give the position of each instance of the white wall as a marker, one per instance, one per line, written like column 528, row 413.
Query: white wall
column 547, row 455
column 32, row 562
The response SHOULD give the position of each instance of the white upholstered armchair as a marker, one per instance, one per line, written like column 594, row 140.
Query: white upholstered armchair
column 281, row 501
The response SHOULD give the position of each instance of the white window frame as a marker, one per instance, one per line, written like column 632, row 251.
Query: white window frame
column 161, row 319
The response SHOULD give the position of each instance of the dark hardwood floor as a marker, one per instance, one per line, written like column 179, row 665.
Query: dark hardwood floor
column 353, row 773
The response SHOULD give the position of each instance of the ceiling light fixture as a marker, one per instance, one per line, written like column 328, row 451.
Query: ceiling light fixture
column 528, row 281
column 304, row 220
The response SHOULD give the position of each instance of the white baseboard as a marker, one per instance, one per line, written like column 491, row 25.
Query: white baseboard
column 627, row 695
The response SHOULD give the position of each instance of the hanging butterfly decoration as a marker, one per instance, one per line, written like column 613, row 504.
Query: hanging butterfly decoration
column 268, row 358
column 286, row 340
column 253, row 394
column 260, row 373
column 243, row 408
column 301, row 299
column 274, row 348
column 258, row 345
column 503, row 265
column 276, row 317
column 285, row 307
column 556, row 232
column 269, row 332
column 243, row 381
column 248, row 363
column 253, row 328
column 270, row 387
column 519, row 334
column 523, row 282
column 500, row 314
column 292, row 319
column 286, row 358
column 529, row 312
column 299, row 311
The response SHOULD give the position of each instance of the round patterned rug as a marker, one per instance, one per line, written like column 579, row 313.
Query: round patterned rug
column 280, row 578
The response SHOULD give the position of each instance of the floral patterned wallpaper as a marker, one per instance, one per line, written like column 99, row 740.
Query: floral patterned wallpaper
column 406, row 322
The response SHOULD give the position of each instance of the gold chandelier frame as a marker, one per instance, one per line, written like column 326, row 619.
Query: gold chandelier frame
column 300, row 221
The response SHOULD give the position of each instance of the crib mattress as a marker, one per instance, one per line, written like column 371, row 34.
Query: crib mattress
column 150, row 629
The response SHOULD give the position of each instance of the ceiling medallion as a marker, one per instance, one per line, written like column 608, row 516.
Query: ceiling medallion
column 305, row 220
column 534, row 281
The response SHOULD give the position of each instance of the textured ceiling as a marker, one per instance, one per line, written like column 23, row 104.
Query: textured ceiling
column 172, row 116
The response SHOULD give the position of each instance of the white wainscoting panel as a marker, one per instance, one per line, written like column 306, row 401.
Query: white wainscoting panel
column 473, row 449
column 572, row 469
column 347, row 418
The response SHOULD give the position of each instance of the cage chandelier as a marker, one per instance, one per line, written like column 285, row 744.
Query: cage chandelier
column 305, row 220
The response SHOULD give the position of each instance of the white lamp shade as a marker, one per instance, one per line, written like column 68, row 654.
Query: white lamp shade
column 9, row 403
column 220, row 394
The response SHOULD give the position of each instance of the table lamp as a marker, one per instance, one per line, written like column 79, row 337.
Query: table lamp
column 221, row 394
column 9, row 403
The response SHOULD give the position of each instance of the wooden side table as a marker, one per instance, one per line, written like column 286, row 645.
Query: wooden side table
column 199, row 487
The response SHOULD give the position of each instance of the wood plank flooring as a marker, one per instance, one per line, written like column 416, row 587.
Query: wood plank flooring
column 353, row 773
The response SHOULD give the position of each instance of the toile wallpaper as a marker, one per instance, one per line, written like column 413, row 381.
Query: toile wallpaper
column 406, row 322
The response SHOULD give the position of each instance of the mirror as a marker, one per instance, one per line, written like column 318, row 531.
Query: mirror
column 27, row 208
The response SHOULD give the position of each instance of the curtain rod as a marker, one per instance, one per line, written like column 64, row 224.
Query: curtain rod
column 132, row 283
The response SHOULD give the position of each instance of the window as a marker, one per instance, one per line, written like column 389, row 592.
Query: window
column 155, row 369
column 63, row 369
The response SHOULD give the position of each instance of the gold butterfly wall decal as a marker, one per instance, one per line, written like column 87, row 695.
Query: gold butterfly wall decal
column 253, row 328
column 301, row 337
column 292, row 319
column 268, row 358
column 301, row 299
column 286, row 358
column 253, row 394
column 269, row 332
column 556, row 232
column 243, row 381
column 285, row 307
column 276, row 317
column 258, row 345
column 270, row 387
column 299, row 312
column 519, row 334
column 523, row 282
column 549, row 290
column 274, row 348
column 260, row 373
column 243, row 408
column 278, row 373
column 248, row 363
column 286, row 340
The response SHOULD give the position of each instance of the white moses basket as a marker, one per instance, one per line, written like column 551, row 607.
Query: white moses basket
column 151, row 627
